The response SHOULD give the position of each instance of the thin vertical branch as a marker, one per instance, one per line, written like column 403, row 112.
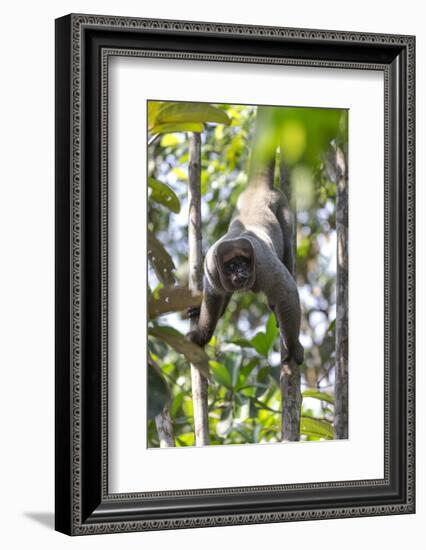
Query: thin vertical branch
column 291, row 397
column 341, row 373
column 195, row 265
column 164, row 427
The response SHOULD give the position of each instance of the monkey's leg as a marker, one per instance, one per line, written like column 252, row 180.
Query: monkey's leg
column 272, row 308
column 282, row 294
column 194, row 312
column 212, row 308
column 285, row 220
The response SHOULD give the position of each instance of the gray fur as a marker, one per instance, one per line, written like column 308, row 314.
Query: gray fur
column 261, row 227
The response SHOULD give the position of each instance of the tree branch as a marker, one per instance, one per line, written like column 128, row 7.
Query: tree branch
column 195, row 264
column 164, row 426
column 341, row 375
column 291, row 396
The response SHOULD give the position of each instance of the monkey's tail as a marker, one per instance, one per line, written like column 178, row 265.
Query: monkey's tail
column 284, row 177
column 261, row 173
column 264, row 147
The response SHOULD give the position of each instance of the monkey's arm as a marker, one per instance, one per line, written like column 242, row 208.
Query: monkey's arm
column 283, row 297
column 212, row 308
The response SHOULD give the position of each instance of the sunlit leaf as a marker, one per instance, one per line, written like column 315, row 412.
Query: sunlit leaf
column 176, row 404
column 153, row 108
column 316, row 394
column 293, row 140
column 260, row 343
column 185, row 440
column 193, row 353
column 316, row 427
column 271, row 330
column 180, row 174
column 303, row 247
column 160, row 260
column 170, row 299
column 242, row 342
column 170, row 140
column 171, row 128
column 191, row 112
column 163, row 194
column 188, row 406
column 221, row 373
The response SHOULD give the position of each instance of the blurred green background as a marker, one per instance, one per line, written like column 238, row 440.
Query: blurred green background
column 244, row 359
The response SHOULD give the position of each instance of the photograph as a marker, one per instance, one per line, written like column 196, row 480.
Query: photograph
column 234, row 267
column 247, row 255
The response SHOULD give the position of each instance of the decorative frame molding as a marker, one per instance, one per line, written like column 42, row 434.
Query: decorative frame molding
column 84, row 44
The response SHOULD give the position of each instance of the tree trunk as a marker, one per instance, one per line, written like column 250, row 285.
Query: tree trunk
column 291, row 397
column 341, row 371
column 164, row 426
column 195, row 265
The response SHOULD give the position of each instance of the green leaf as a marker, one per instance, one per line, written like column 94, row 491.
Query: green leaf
column 316, row 428
column 172, row 299
column 242, row 342
column 176, row 404
column 193, row 353
column 221, row 373
column 159, row 393
column 293, row 140
column 245, row 372
column 188, row 406
column 180, row 174
column 186, row 440
column 263, row 381
column 170, row 140
column 271, row 330
column 191, row 112
column 171, row 128
column 260, row 343
column 160, row 260
column 153, row 108
column 163, row 194
column 316, row 394
column 224, row 426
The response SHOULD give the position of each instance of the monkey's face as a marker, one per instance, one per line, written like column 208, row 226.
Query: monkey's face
column 235, row 264
column 238, row 271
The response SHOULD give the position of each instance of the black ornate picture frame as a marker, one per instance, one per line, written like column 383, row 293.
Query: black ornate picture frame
column 84, row 43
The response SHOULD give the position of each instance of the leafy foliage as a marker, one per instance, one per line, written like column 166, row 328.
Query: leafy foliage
column 243, row 357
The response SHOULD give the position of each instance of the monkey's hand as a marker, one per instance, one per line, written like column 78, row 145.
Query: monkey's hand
column 193, row 312
column 196, row 337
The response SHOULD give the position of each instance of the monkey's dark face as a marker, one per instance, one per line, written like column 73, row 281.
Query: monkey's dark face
column 238, row 271
column 235, row 263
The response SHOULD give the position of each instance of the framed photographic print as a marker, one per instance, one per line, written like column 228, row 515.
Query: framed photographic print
column 234, row 274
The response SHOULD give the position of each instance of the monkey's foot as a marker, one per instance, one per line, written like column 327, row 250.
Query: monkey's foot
column 297, row 354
